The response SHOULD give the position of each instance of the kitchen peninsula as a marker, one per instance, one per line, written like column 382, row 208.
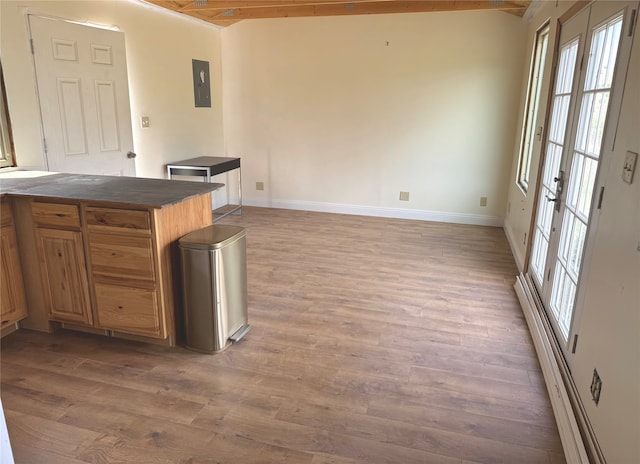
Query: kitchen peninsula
column 97, row 253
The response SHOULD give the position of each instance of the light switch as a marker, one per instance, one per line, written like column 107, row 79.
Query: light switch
column 144, row 121
column 629, row 166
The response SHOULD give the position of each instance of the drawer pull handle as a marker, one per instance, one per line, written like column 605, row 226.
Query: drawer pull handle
column 120, row 307
column 60, row 215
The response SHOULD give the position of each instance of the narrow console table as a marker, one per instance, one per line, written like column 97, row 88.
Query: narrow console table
column 207, row 167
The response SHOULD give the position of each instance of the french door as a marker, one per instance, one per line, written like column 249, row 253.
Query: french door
column 592, row 51
column 83, row 92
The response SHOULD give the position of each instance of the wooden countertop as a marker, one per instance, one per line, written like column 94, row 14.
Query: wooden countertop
column 131, row 191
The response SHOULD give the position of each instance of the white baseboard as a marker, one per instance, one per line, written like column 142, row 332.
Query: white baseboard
column 397, row 213
column 572, row 441
column 515, row 250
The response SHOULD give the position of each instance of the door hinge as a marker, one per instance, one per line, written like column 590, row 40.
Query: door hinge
column 575, row 343
column 601, row 197
column 581, row 62
column 33, row 50
column 44, row 143
column 632, row 22
column 549, row 274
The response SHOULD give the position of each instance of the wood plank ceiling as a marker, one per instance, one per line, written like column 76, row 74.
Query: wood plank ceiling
column 227, row 12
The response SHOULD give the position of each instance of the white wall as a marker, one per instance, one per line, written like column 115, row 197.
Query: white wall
column 160, row 48
column 353, row 110
column 610, row 324
column 609, row 302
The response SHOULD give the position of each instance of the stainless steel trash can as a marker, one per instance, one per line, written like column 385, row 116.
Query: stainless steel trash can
column 214, row 279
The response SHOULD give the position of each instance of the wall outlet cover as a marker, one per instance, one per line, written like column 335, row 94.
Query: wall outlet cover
column 404, row 196
column 483, row 201
column 259, row 185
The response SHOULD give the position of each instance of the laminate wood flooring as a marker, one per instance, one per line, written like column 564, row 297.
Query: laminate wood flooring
column 373, row 341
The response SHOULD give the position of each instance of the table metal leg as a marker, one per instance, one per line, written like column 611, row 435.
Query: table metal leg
column 240, row 190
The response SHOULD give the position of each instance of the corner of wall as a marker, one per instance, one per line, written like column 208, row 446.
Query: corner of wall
column 515, row 250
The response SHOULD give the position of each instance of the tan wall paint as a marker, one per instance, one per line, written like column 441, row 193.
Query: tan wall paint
column 160, row 48
column 353, row 110
column 609, row 322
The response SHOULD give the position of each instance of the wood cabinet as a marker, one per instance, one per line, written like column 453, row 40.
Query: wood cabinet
column 63, row 268
column 100, row 253
column 125, row 275
column 112, row 270
column 13, row 305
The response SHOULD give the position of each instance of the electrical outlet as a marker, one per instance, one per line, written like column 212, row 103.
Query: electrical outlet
column 404, row 196
column 629, row 167
column 259, row 185
column 144, row 121
column 596, row 387
column 483, row 201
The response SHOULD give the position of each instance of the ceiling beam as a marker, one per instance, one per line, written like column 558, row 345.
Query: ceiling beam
column 237, row 4
column 226, row 12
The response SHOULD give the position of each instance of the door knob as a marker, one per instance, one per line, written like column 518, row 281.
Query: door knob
column 131, row 155
column 560, row 181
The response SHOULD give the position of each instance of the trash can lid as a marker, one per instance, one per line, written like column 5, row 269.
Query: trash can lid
column 212, row 237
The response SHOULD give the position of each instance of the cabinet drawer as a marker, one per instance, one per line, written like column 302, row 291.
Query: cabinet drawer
column 55, row 214
column 131, row 220
column 121, row 256
column 129, row 309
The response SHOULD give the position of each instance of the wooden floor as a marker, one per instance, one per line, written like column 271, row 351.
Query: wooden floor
column 373, row 341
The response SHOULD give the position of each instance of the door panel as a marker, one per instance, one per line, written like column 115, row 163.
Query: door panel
column 84, row 97
column 583, row 162
column 13, row 305
column 573, row 157
column 551, row 184
column 71, row 116
column 64, row 275
column 107, row 116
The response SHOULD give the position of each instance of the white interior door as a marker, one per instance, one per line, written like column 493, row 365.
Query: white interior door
column 84, row 97
column 594, row 47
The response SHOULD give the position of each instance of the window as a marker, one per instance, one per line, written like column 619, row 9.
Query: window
column 531, row 108
column 7, row 153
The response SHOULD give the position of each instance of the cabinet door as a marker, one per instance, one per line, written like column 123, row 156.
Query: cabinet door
column 12, row 300
column 129, row 309
column 64, row 275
